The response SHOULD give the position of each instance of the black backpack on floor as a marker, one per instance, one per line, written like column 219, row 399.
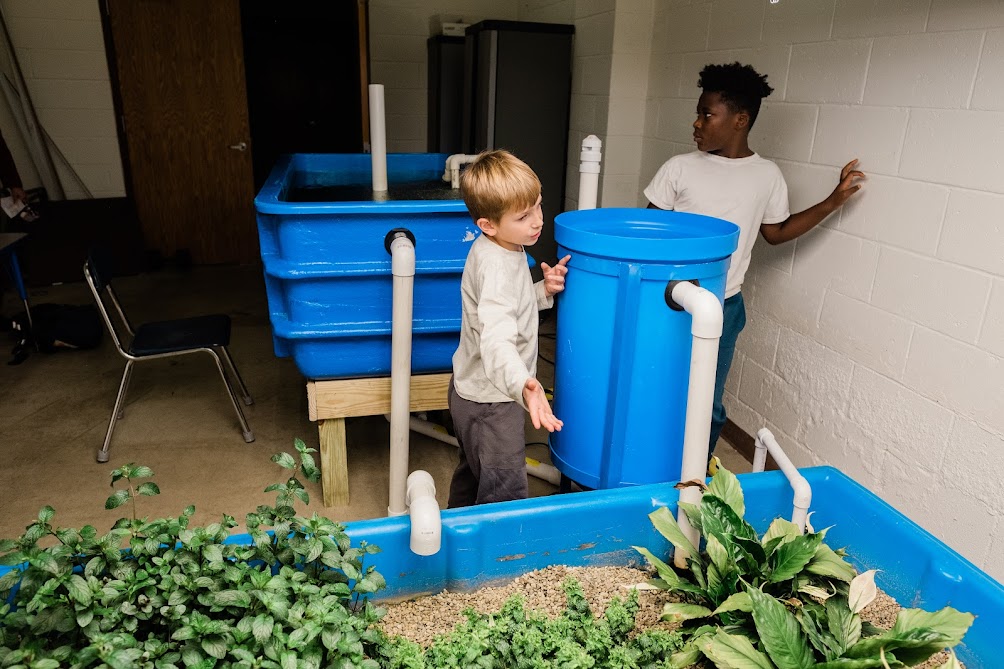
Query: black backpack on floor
column 56, row 327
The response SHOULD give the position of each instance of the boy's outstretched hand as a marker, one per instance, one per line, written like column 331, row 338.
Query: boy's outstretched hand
column 848, row 185
column 536, row 404
column 554, row 277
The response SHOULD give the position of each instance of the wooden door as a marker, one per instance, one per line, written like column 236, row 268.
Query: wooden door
column 180, row 72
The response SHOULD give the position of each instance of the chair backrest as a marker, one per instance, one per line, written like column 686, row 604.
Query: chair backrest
column 98, row 276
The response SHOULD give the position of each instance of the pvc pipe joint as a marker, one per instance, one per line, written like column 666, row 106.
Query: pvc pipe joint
column 453, row 163
column 423, row 509
column 703, row 306
column 765, row 442
column 402, row 252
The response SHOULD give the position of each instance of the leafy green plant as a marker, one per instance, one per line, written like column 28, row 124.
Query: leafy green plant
column 785, row 600
column 515, row 637
column 180, row 595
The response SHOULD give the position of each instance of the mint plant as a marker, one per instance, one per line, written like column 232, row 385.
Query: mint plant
column 785, row 600
column 184, row 596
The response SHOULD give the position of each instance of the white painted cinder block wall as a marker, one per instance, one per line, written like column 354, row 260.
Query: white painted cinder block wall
column 61, row 49
column 875, row 342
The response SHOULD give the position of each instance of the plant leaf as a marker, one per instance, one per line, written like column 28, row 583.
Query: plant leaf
column 730, row 651
column 952, row 662
column 946, row 622
column 790, row 558
column 663, row 521
column 140, row 472
column 45, row 514
column 862, row 592
column 844, row 624
column 262, row 628
column 827, row 563
column 215, row 646
column 740, row 601
column 678, row 612
column 670, row 579
column 782, row 529
column 77, row 587
column 118, row 499
column 780, row 633
column 719, row 519
column 725, row 486
column 847, row 663
column 693, row 512
column 148, row 489
column 284, row 460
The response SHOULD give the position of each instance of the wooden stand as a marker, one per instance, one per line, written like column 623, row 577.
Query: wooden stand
column 331, row 402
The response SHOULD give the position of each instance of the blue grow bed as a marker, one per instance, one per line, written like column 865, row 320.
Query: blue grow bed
column 328, row 274
column 495, row 542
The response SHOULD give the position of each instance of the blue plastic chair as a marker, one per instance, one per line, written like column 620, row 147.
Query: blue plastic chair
column 162, row 339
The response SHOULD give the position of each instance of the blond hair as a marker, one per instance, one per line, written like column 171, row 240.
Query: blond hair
column 498, row 183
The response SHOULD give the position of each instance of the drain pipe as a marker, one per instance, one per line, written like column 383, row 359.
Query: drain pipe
column 706, row 328
column 453, row 163
column 589, row 171
column 765, row 442
column 534, row 468
column 378, row 138
column 400, row 243
column 426, row 523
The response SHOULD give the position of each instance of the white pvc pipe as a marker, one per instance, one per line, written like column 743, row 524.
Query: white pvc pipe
column 706, row 328
column 589, row 171
column 765, row 442
column 534, row 468
column 426, row 522
column 378, row 138
column 453, row 163
column 403, row 268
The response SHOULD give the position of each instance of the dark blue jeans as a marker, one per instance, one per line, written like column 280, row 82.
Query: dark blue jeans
column 734, row 320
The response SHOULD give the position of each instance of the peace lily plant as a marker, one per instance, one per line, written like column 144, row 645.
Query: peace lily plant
column 785, row 600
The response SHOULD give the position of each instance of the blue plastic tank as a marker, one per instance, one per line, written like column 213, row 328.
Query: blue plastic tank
column 622, row 354
column 327, row 271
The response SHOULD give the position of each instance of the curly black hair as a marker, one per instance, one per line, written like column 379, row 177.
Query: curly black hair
column 740, row 87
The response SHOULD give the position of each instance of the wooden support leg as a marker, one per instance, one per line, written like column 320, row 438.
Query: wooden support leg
column 334, row 465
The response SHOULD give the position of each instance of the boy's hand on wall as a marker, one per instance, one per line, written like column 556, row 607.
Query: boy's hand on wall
column 554, row 277
column 848, row 185
column 536, row 404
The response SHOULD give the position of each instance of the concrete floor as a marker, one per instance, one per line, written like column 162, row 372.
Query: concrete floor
column 54, row 411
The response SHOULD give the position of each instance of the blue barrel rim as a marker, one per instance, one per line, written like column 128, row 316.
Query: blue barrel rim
column 646, row 235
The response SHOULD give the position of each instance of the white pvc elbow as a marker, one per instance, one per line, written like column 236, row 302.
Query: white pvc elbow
column 402, row 253
column 704, row 308
column 765, row 442
column 453, row 163
column 426, row 523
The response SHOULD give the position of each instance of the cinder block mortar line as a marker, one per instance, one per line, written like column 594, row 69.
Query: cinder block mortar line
column 976, row 74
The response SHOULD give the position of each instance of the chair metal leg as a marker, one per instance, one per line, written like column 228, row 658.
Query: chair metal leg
column 245, row 428
column 103, row 453
column 237, row 375
column 126, row 378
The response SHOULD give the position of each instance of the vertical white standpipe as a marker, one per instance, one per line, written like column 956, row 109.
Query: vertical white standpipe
column 589, row 171
column 378, row 138
column 765, row 442
column 706, row 328
column 402, row 252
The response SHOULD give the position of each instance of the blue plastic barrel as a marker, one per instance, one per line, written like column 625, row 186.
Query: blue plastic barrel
column 622, row 354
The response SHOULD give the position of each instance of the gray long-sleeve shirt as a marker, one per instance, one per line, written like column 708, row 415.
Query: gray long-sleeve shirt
column 498, row 331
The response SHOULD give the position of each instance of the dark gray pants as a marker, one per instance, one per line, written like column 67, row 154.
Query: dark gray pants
column 492, row 452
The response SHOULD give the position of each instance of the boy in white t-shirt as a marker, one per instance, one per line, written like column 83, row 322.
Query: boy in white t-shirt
column 726, row 179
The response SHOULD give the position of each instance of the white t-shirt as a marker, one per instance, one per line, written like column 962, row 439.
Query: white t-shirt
column 498, row 331
column 746, row 191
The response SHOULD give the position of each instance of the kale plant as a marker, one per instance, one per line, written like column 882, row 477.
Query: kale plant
column 184, row 596
column 785, row 600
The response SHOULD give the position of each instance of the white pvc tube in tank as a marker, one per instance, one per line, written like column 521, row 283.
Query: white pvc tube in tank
column 706, row 328
column 402, row 252
column 765, row 442
column 426, row 520
column 589, row 171
column 378, row 138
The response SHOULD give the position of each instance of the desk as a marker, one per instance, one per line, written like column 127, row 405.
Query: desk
column 331, row 402
column 8, row 240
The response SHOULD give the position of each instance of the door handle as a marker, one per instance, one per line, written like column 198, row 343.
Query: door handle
column 240, row 146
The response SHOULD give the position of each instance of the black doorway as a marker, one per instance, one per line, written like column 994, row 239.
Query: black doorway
column 302, row 65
